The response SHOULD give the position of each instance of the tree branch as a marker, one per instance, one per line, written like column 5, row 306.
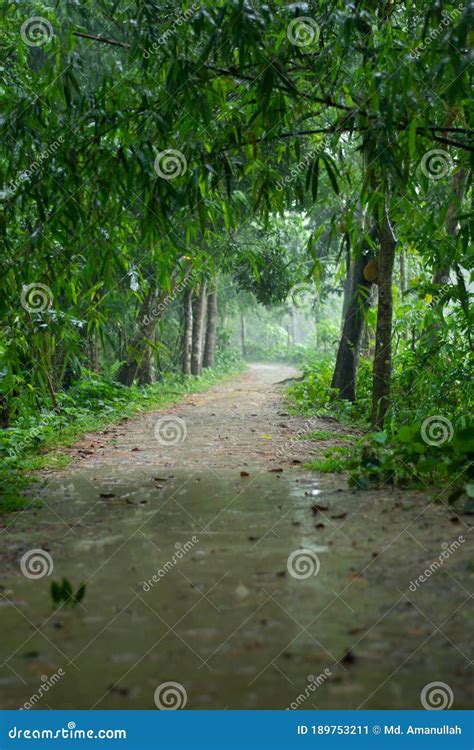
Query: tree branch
column 102, row 39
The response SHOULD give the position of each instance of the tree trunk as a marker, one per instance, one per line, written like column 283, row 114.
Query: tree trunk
column 243, row 335
column 5, row 412
column 199, row 308
column 146, row 371
column 345, row 371
column 210, row 347
column 347, row 285
column 365, row 348
column 403, row 271
column 139, row 351
column 187, row 331
column 383, row 335
column 404, row 284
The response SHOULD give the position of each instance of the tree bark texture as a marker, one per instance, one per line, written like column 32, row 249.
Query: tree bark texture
column 187, row 344
column 345, row 371
column 199, row 310
column 211, row 330
column 383, row 335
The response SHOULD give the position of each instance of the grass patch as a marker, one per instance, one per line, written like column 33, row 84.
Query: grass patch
column 334, row 461
column 331, row 465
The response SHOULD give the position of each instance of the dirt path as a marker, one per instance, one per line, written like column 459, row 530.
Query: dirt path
column 187, row 538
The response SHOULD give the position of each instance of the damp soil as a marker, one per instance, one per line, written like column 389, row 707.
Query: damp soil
column 184, row 550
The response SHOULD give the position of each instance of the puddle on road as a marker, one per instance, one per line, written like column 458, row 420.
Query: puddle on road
column 187, row 581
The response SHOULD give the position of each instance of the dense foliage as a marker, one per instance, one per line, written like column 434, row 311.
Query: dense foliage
column 163, row 159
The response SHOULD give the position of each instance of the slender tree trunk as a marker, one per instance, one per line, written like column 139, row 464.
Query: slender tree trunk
column 365, row 347
column 4, row 413
column 347, row 284
column 95, row 352
column 198, row 326
column 243, row 335
column 383, row 335
column 187, row 331
column 210, row 346
column 403, row 271
column 345, row 371
column 404, row 284
column 203, row 327
column 146, row 365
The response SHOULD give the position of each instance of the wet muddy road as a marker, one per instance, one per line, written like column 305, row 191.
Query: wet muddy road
column 213, row 561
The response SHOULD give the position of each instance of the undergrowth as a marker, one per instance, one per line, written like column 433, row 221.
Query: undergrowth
column 428, row 438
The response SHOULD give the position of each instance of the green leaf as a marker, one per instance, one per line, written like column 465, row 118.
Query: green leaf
column 79, row 595
column 56, row 592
